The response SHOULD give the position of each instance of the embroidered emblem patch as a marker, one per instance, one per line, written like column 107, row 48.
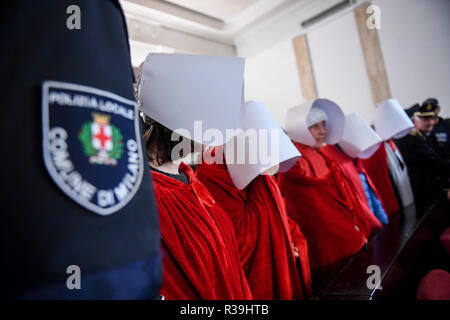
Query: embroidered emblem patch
column 441, row 137
column 102, row 142
column 91, row 145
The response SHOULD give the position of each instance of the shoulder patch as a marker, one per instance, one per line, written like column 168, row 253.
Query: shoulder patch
column 441, row 137
column 91, row 145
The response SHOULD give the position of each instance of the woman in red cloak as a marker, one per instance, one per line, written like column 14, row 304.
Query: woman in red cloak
column 200, row 256
column 201, row 260
column 390, row 121
column 358, row 141
column 377, row 169
column 272, row 247
column 317, row 193
column 351, row 168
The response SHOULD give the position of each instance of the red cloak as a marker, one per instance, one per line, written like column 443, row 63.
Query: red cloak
column 368, row 222
column 316, row 200
column 264, row 234
column 378, row 171
column 200, row 259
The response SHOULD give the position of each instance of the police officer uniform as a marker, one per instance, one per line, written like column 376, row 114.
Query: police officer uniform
column 428, row 110
column 441, row 130
column 78, row 217
column 428, row 170
column 411, row 111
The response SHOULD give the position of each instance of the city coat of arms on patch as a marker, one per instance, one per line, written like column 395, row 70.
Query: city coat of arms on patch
column 91, row 145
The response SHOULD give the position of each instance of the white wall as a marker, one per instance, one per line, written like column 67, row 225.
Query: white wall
column 415, row 39
column 338, row 66
column 271, row 77
column 415, row 42
column 283, row 25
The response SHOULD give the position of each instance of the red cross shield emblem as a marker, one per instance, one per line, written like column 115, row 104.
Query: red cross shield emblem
column 91, row 145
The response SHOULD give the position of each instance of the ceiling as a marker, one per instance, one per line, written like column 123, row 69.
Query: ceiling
column 216, row 15
column 216, row 27
column 219, row 9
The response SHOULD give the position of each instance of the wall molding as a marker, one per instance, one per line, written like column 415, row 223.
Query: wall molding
column 304, row 68
column 373, row 56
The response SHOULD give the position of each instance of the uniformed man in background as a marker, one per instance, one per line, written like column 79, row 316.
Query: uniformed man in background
column 78, row 215
column 441, row 129
column 428, row 170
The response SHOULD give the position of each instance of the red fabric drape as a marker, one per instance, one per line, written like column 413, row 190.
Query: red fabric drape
column 367, row 220
column 322, row 210
column 265, row 236
column 200, row 258
column 378, row 171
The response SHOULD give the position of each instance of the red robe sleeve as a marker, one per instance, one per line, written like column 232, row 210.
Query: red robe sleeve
column 200, row 257
column 324, row 215
column 378, row 171
column 368, row 222
column 361, row 169
column 263, row 234
column 301, row 248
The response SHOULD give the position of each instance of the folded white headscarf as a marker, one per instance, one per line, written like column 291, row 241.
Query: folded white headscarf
column 314, row 116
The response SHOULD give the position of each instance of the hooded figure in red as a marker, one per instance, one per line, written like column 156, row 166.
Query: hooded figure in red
column 200, row 256
column 272, row 247
column 377, row 169
column 266, row 237
column 201, row 260
column 351, row 168
column 358, row 141
column 317, row 192
column 390, row 121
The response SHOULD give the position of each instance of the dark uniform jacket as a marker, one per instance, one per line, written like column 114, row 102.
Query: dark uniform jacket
column 428, row 171
column 43, row 231
column 441, row 132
